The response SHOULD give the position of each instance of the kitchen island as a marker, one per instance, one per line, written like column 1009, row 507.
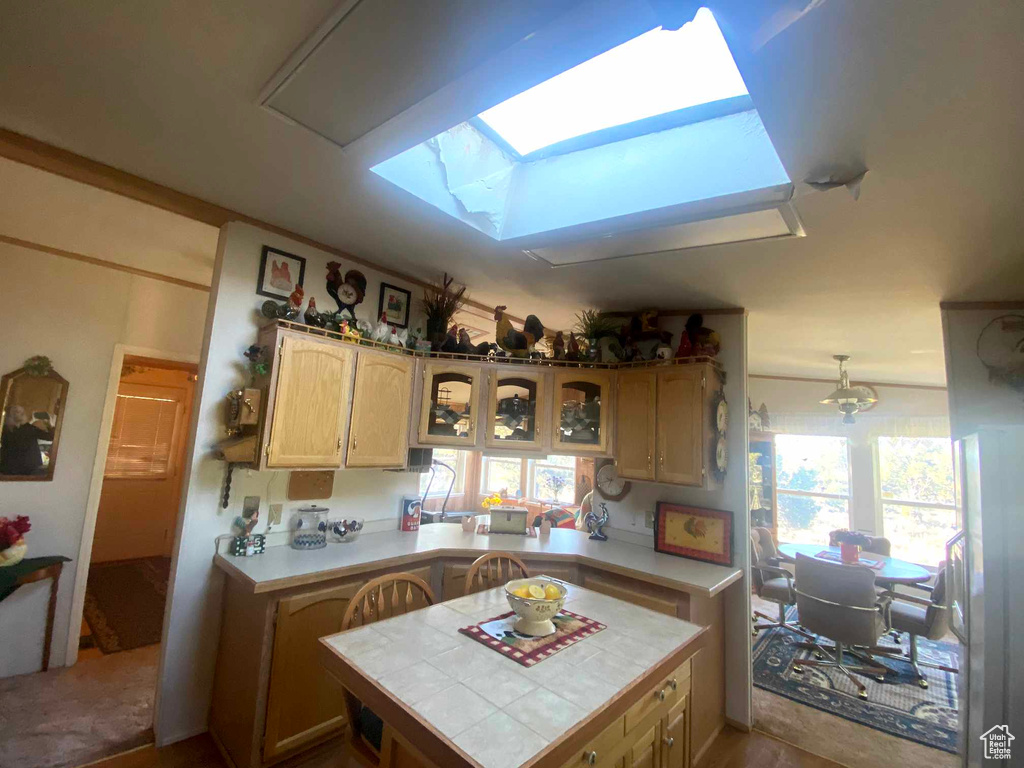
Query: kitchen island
column 271, row 697
column 620, row 696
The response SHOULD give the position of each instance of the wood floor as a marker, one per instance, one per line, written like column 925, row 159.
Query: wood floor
column 732, row 749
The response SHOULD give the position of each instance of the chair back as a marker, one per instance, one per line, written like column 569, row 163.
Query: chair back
column 937, row 614
column 838, row 601
column 768, row 549
column 389, row 595
column 495, row 569
column 878, row 545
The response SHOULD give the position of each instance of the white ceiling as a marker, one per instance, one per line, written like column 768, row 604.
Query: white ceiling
column 927, row 95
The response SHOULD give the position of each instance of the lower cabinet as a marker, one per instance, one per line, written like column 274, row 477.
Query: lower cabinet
column 645, row 753
column 675, row 729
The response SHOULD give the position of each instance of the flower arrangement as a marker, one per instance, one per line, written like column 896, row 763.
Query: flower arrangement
column 491, row 501
column 12, row 539
column 853, row 538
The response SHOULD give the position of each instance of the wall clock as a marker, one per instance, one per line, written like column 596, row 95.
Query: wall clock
column 611, row 486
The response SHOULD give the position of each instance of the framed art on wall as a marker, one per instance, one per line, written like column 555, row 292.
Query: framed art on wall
column 395, row 302
column 693, row 532
column 280, row 273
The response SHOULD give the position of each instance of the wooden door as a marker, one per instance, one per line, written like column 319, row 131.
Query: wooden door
column 310, row 404
column 379, row 435
column 449, row 408
column 516, row 412
column 304, row 704
column 580, row 419
column 675, row 745
column 645, row 752
column 681, row 425
column 635, row 424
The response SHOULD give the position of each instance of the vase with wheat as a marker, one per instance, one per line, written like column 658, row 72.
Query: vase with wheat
column 440, row 303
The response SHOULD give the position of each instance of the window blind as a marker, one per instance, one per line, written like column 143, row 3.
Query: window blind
column 142, row 437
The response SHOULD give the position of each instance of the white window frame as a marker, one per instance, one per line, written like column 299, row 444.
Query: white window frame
column 534, row 465
column 440, row 487
column 527, row 476
column 847, row 497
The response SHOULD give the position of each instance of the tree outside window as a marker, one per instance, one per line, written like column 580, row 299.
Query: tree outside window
column 813, row 483
column 454, row 459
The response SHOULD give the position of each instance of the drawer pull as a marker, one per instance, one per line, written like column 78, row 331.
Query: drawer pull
column 590, row 757
column 669, row 742
column 661, row 695
column 673, row 684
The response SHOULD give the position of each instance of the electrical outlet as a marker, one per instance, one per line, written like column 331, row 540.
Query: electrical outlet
column 275, row 513
column 648, row 519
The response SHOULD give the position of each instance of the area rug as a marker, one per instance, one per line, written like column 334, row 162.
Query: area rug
column 124, row 602
column 898, row 705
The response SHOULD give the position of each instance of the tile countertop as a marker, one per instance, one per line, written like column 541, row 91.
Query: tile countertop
column 281, row 567
column 494, row 710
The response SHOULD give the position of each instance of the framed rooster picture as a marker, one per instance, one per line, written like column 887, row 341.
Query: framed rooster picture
column 280, row 273
column 693, row 532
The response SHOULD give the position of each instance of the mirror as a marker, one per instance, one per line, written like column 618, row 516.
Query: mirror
column 33, row 400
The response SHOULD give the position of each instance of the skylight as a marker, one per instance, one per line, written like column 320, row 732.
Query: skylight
column 656, row 73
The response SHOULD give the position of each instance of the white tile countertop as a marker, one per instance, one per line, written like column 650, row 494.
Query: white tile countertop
column 281, row 567
column 491, row 708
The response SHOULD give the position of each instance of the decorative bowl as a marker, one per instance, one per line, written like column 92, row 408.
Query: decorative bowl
column 535, row 613
column 13, row 555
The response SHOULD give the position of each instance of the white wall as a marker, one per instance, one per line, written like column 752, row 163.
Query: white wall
column 192, row 623
column 73, row 313
column 627, row 516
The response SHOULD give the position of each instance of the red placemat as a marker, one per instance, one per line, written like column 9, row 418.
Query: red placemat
column 833, row 557
column 497, row 633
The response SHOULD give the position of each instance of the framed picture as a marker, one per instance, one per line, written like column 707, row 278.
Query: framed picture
column 693, row 532
column 395, row 301
column 280, row 273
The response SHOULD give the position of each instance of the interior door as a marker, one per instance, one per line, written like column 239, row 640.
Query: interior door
column 379, row 434
column 635, row 424
column 680, row 425
column 310, row 404
column 450, row 405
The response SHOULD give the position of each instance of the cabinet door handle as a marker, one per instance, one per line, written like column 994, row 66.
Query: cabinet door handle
column 661, row 695
column 590, row 758
column 355, row 442
column 339, row 443
column 669, row 742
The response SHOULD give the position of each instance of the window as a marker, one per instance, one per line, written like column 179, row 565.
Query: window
column 501, row 475
column 143, row 435
column 551, row 480
column 813, row 480
column 658, row 72
column 454, row 459
column 915, row 476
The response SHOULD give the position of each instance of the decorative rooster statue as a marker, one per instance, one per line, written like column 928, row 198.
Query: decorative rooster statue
column 514, row 342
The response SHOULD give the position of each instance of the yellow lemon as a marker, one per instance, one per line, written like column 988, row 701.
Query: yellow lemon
column 536, row 592
column 521, row 592
column 551, row 592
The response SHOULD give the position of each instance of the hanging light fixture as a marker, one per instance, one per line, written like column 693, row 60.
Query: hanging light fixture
column 849, row 399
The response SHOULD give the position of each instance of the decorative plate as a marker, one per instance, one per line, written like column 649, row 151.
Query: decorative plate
column 721, row 415
column 721, row 457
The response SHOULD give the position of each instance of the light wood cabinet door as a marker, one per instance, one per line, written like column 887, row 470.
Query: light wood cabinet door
column 581, row 412
column 635, row 424
column 379, row 435
column 680, row 440
column 516, row 412
column 646, row 752
column 450, row 405
column 675, row 742
column 304, row 704
column 310, row 404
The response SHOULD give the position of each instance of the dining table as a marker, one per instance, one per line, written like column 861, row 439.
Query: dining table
column 889, row 570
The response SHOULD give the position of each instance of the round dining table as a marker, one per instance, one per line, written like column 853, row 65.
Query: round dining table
column 892, row 570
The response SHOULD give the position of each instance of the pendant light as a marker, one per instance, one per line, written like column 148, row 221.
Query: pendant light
column 849, row 399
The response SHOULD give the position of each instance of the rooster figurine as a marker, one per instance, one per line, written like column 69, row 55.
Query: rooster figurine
column 451, row 341
column 311, row 316
column 517, row 343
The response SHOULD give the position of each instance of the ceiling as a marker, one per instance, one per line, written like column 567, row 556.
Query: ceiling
column 928, row 101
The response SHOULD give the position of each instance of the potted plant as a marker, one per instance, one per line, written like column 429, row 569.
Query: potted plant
column 12, row 539
column 593, row 326
column 850, row 543
column 440, row 303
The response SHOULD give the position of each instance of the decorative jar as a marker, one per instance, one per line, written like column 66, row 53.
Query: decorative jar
column 13, row 555
column 849, row 553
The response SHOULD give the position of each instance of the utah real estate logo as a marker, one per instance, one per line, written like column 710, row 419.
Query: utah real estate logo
column 997, row 742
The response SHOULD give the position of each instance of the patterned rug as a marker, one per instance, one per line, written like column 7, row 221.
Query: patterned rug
column 124, row 602
column 898, row 705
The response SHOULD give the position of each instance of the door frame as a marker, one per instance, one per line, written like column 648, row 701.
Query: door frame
column 92, row 505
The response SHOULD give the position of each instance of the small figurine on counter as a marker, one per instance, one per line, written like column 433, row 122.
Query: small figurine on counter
column 244, row 526
column 558, row 347
column 312, row 317
column 595, row 524
column 346, row 291
column 514, row 342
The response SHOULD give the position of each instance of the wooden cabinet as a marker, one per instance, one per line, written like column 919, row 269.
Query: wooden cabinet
column 379, row 434
column 675, row 741
column 449, row 405
column 581, row 412
column 309, row 405
column 304, row 704
column 680, row 457
column 645, row 751
column 636, row 423
column 516, row 412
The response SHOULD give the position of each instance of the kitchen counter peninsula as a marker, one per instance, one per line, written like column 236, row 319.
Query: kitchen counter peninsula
column 620, row 696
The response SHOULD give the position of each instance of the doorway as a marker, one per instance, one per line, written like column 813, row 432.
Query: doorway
column 131, row 550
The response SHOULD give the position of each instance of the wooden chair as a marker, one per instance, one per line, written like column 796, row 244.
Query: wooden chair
column 494, row 569
column 389, row 595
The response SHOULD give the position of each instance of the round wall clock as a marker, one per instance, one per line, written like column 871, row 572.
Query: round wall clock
column 611, row 486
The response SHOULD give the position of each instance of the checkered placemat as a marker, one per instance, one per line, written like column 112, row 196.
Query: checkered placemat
column 497, row 633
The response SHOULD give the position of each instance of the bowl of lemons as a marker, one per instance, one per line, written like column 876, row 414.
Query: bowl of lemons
column 535, row 601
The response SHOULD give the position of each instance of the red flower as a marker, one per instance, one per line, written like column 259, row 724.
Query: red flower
column 12, row 531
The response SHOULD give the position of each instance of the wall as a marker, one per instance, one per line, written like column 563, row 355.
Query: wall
column 74, row 313
column 192, row 622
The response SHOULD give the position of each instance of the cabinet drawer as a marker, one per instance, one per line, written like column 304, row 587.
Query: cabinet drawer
column 604, row 744
column 652, row 702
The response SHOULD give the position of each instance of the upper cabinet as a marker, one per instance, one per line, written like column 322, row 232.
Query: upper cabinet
column 636, row 423
column 681, row 425
column 581, row 420
column 308, row 404
column 450, row 404
column 379, row 434
column 516, row 416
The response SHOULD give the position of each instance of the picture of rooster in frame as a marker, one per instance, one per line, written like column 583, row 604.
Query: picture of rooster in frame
column 693, row 532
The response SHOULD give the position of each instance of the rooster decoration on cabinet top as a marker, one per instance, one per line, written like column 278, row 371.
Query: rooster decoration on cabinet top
column 514, row 342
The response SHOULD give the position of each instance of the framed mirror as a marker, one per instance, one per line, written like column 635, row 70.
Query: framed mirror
column 33, row 401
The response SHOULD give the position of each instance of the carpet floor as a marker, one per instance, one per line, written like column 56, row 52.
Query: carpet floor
column 124, row 602
column 73, row 715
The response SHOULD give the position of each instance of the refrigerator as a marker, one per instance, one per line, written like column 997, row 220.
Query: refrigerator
column 986, row 595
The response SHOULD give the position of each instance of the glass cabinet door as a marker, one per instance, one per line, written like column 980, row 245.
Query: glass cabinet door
column 515, row 415
column 448, row 410
column 581, row 411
